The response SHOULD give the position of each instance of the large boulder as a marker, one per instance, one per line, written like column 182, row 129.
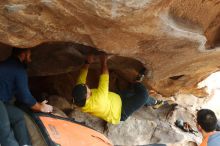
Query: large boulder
column 176, row 40
column 172, row 38
column 145, row 126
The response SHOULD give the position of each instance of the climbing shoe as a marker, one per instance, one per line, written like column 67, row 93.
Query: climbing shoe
column 158, row 104
column 141, row 75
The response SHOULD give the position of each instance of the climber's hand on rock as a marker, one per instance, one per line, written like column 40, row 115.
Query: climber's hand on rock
column 46, row 108
column 103, row 58
column 90, row 58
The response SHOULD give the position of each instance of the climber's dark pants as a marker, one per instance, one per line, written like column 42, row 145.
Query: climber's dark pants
column 133, row 100
column 13, row 130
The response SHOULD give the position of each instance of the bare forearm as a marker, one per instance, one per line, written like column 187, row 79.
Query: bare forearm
column 36, row 107
column 87, row 62
column 104, row 67
column 85, row 66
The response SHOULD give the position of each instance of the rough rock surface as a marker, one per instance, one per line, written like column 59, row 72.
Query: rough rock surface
column 177, row 40
column 145, row 126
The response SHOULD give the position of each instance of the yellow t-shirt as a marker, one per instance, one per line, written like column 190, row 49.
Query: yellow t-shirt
column 102, row 103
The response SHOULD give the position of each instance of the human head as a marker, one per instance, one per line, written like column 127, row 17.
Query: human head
column 23, row 54
column 80, row 93
column 206, row 120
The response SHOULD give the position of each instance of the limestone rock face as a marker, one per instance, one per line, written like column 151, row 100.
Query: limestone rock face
column 177, row 40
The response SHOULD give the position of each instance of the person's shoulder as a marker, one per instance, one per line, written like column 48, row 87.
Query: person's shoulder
column 15, row 65
column 11, row 61
column 214, row 139
column 217, row 133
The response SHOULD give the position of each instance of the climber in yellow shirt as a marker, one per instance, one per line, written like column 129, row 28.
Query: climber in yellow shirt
column 106, row 105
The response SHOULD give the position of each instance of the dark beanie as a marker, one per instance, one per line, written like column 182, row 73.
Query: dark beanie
column 79, row 95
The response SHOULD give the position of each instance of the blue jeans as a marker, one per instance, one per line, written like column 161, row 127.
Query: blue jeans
column 133, row 100
column 13, row 130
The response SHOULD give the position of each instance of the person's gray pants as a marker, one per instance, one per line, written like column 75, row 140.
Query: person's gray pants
column 13, row 130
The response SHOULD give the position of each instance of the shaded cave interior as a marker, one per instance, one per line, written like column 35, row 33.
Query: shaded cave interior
column 55, row 67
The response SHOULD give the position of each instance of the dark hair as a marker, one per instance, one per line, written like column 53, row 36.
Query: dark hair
column 79, row 95
column 17, row 51
column 207, row 120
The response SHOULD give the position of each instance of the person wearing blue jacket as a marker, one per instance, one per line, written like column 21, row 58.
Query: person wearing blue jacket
column 14, row 83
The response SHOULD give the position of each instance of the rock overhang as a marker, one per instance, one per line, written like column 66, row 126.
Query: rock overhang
column 176, row 40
